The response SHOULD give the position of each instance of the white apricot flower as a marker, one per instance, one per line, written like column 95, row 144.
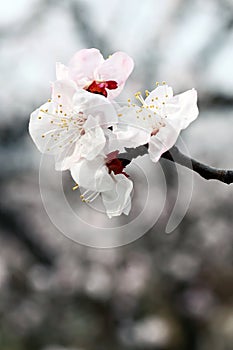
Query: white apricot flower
column 92, row 72
column 71, row 125
column 158, row 121
column 104, row 177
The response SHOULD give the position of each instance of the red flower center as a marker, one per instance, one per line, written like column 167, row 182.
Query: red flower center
column 116, row 166
column 99, row 87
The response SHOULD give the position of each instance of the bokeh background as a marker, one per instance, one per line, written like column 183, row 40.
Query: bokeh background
column 165, row 292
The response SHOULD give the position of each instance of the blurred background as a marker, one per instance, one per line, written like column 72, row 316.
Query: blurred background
column 168, row 292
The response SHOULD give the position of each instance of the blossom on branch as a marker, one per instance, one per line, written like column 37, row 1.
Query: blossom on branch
column 71, row 125
column 92, row 72
column 158, row 121
column 86, row 130
column 104, row 177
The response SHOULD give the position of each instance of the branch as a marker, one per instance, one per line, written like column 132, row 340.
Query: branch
column 174, row 155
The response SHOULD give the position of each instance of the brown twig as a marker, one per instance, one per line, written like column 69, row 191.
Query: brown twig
column 174, row 155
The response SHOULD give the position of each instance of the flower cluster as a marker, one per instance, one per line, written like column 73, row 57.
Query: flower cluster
column 85, row 129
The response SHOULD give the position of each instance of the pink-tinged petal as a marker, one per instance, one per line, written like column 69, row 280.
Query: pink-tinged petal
column 62, row 72
column 118, row 200
column 184, row 107
column 112, row 155
column 83, row 64
column 92, row 175
column 116, row 68
column 164, row 139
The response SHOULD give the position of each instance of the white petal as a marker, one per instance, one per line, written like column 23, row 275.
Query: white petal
column 164, row 139
column 64, row 159
column 87, row 146
column 112, row 143
column 62, row 94
column 160, row 94
column 92, row 175
column 97, row 106
column 186, row 107
column 133, row 129
column 91, row 143
column 131, row 136
column 117, row 201
column 46, row 131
